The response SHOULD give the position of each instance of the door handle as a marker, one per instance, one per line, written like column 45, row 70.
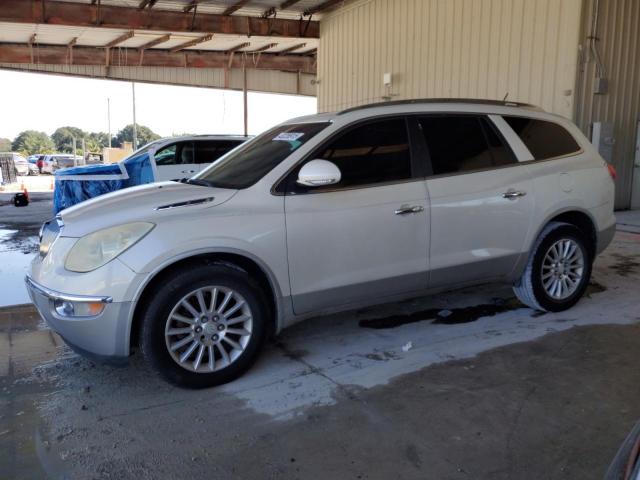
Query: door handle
column 406, row 209
column 513, row 194
column 188, row 171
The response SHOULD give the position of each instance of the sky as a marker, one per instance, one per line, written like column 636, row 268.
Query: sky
column 33, row 101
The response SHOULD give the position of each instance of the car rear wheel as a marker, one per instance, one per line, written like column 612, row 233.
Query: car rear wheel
column 558, row 270
column 204, row 327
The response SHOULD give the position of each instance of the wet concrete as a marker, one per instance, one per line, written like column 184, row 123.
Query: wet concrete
column 19, row 229
column 505, row 396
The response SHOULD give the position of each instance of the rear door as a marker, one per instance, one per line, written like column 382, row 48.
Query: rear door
column 175, row 161
column 481, row 200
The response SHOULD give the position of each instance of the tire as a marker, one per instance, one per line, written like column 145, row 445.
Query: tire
column 530, row 288
column 163, row 326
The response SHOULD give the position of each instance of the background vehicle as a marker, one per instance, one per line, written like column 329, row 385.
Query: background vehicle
column 23, row 167
column 20, row 163
column 166, row 159
column 326, row 213
column 66, row 161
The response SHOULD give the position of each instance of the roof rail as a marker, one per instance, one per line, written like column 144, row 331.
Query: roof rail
column 413, row 101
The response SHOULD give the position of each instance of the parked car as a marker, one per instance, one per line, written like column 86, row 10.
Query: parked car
column 47, row 163
column 23, row 167
column 326, row 213
column 20, row 163
column 66, row 161
column 34, row 158
column 166, row 159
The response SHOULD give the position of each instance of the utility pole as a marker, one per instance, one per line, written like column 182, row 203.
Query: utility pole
column 245, row 100
column 109, row 119
column 75, row 160
column 84, row 152
column 135, row 132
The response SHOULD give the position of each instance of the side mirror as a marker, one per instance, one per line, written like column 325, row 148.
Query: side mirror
column 318, row 173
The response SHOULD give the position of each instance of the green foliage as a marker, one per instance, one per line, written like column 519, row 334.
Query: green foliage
column 5, row 145
column 32, row 141
column 63, row 138
column 145, row 135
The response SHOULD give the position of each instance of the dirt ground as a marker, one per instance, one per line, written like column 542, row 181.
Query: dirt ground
column 462, row 385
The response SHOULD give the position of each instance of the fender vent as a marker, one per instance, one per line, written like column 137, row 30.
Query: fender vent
column 188, row 203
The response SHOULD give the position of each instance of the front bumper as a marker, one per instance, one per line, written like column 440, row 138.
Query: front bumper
column 103, row 336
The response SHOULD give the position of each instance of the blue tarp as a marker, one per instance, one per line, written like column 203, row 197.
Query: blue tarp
column 77, row 184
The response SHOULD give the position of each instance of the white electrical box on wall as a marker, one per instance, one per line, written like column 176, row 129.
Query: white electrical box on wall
column 386, row 79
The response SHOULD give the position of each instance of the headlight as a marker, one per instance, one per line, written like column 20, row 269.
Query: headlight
column 98, row 248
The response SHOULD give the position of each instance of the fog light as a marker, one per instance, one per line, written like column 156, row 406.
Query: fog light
column 78, row 309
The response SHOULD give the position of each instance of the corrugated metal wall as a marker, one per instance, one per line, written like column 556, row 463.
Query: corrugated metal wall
column 450, row 48
column 270, row 81
column 618, row 43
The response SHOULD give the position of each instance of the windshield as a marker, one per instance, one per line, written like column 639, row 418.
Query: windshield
column 248, row 163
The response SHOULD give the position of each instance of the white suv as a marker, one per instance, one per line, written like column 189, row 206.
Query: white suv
column 324, row 213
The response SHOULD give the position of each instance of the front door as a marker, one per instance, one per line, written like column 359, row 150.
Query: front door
column 367, row 236
column 175, row 161
column 481, row 200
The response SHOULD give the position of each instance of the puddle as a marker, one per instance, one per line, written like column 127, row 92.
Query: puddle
column 16, row 253
column 625, row 266
column 454, row 316
column 444, row 316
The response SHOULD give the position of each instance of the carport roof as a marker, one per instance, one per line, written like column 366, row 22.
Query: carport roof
column 283, row 34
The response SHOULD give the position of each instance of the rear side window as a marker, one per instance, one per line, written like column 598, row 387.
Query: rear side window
column 543, row 139
column 208, row 151
column 376, row 152
column 462, row 143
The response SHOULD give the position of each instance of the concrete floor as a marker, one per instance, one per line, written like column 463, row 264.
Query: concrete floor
column 462, row 385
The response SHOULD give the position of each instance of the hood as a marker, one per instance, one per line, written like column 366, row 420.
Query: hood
column 144, row 203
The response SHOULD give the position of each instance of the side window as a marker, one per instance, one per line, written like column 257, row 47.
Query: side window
column 166, row 155
column 186, row 155
column 543, row 139
column 375, row 152
column 208, row 151
column 459, row 144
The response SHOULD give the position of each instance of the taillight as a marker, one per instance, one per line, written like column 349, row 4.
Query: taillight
column 612, row 171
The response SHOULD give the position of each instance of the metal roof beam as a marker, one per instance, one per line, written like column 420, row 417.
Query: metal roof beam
column 237, row 6
column 146, row 3
column 122, row 38
column 155, row 41
column 57, row 55
column 292, row 48
column 238, row 47
column 265, row 47
column 323, row 6
column 191, row 43
column 110, row 16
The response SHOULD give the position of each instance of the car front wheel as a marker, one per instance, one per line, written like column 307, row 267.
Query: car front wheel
column 558, row 270
column 205, row 326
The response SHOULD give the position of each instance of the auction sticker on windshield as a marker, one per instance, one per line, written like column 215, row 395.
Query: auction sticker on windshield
column 288, row 136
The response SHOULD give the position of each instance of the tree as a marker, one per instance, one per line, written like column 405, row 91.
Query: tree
column 63, row 138
column 5, row 145
column 100, row 138
column 32, row 141
column 145, row 135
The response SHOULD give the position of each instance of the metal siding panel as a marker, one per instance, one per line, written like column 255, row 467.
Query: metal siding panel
column 466, row 48
column 619, row 41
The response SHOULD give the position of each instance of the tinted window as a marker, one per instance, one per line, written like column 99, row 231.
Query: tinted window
column 463, row 143
column 376, row 152
column 166, row 156
column 543, row 139
column 254, row 159
column 208, row 151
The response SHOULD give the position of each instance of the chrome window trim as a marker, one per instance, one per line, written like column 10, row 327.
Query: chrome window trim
column 53, row 295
